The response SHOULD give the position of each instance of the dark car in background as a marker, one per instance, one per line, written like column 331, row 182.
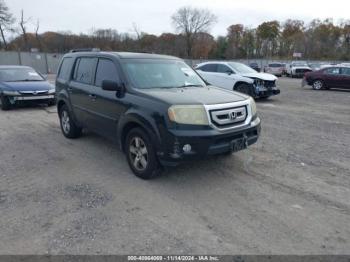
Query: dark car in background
column 20, row 84
column 329, row 77
column 255, row 66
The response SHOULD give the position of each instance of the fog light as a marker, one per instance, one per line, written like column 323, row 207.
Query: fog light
column 187, row 148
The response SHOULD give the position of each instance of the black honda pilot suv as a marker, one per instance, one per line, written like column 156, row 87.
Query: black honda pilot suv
column 156, row 107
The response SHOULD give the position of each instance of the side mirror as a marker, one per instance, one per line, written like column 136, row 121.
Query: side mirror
column 109, row 85
column 229, row 72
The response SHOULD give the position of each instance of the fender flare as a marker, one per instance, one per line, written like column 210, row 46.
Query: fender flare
column 133, row 119
column 63, row 98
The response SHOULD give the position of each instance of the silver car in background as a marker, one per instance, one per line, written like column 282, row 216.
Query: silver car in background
column 276, row 69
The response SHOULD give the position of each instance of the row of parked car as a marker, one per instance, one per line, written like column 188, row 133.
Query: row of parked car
column 160, row 111
column 293, row 69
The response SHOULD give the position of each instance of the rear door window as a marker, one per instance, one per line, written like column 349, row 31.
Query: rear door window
column 106, row 70
column 209, row 68
column 84, row 70
column 223, row 69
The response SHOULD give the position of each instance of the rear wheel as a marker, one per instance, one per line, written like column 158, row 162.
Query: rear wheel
column 141, row 154
column 5, row 103
column 318, row 85
column 68, row 126
column 245, row 89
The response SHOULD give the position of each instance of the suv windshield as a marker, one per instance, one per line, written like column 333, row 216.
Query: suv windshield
column 241, row 68
column 19, row 74
column 160, row 73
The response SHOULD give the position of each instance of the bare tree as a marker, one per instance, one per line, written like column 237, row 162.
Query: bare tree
column 37, row 36
column 137, row 31
column 191, row 21
column 22, row 24
column 6, row 21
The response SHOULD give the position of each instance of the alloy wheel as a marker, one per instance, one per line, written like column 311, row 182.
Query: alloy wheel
column 138, row 153
column 317, row 85
column 65, row 121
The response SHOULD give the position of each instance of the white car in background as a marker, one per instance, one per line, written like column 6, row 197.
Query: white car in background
column 297, row 68
column 238, row 77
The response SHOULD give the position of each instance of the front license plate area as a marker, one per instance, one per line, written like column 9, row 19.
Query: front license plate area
column 238, row 144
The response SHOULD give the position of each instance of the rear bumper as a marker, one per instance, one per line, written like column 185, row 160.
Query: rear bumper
column 207, row 143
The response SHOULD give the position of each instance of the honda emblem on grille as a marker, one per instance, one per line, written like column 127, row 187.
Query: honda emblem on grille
column 233, row 116
column 35, row 92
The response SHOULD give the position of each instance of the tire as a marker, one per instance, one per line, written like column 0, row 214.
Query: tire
column 264, row 97
column 318, row 85
column 245, row 89
column 68, row 126
column 141, row 154
column 5, row 103
column 52, row 102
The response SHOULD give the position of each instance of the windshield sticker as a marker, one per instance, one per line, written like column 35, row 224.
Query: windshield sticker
column 33, row 74
column 187, row 71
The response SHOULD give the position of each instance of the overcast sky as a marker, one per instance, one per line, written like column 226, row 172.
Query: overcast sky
column 153, row 16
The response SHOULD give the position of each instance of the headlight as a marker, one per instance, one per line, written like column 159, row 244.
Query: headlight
column 252, row 106
column 11, row 93
column 188, row 114
column 52, row 91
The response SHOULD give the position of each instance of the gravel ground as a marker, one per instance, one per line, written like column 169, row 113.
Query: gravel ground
column 288, row 194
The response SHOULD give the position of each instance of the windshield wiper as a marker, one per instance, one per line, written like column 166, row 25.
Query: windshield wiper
column 25, row 80
column 189, row 85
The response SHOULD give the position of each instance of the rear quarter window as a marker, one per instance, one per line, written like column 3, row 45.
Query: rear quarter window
column 65, row 70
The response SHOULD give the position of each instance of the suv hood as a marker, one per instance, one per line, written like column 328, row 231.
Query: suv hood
column 195, row 95
column 262, row 76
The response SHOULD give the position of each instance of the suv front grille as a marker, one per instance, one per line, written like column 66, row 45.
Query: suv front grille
column 302, row 70
column 269, row 84
column 228, row 117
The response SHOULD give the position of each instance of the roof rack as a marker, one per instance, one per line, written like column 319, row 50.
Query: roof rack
column 85, row 50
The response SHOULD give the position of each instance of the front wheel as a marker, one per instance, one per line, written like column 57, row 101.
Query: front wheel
column 318, row 85
column 5, row 103
column 141, row 154
column 245, row 89
column 51, row 102
column 68, row 126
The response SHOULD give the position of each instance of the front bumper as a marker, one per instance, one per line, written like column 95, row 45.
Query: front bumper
column 32, row 98
column 206, row 143
column 268, row 92
column 19, row 98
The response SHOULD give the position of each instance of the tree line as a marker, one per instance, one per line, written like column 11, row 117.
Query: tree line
column 319, row 39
